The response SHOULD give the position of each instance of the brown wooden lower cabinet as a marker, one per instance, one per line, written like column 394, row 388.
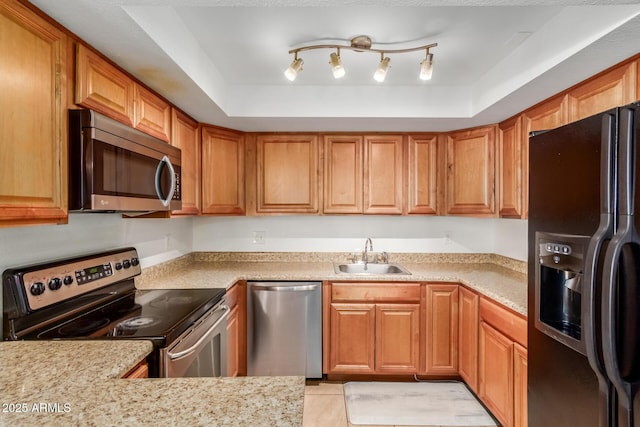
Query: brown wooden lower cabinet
column 352, row 339
column 141, row 370
column 397, row 338
column 519, row 386
column 232, row 343
column 496, row 373
column 441, row 324
column 374, row 338
column 468, row 337
column 502, row 364
column 374, row 328
column 236, row 330
column 433, row 329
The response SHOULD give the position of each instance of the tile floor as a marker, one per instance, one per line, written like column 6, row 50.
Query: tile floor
column 324, row 406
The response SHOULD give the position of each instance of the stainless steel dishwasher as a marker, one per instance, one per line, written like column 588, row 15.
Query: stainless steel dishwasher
column 284, row 328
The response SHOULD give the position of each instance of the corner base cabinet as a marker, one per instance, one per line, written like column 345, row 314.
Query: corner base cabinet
column 502, row 363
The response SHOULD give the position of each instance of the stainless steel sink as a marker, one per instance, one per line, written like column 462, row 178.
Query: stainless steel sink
column 371, row 268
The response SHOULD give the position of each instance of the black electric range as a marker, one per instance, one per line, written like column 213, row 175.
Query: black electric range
column 94, row 297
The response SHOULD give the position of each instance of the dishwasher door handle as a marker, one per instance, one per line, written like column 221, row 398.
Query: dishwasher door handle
column 295, row 288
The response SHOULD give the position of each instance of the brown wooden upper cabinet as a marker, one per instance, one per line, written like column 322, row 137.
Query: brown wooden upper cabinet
column 223, row 171
column 33, row 135
column 383, row 174
column 185, row 136
column 608, row 90
column 103, row 87
column 548, row 115
column 152, row 113
column 471, row 171
column 512, row 143
column 343, row 174
column 288, row 174
column 422, row 185
column 363, row 174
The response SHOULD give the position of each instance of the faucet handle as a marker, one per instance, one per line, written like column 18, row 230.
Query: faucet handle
column 353, row 257
column 384, row 257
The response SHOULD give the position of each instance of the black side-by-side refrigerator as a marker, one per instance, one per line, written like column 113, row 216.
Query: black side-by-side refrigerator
column 584, row 273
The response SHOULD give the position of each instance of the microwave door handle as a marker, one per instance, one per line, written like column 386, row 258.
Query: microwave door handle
column 165, row 161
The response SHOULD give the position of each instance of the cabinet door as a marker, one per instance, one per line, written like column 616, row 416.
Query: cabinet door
column 185, row 136
column 102, row 87
column 397, row 338
column 496, row 373
column 233, row 342
column 352, row 338
column 383, row 174
column 548, row 115
column 152, row 113
column 519, row 386
column 422, row 188
column 511, row 144
column 33, row 113
column 343, row 174
column 471, row 172
column 223, row 171
column 441, row 329
column 288, row 173
column 611, row 89
column 468, row 338
column 140, row 371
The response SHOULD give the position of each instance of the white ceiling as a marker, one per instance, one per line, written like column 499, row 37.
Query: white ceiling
column 222, row 61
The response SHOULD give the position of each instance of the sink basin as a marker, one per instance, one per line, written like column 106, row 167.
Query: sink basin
column 370, row 268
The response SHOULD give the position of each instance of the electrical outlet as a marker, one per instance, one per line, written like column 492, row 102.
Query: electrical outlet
column 258, row 237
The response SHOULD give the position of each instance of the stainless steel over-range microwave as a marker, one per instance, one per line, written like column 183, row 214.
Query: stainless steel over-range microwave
column 113, row 167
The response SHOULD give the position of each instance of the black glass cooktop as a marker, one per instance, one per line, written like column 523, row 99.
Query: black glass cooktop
column 158, row 315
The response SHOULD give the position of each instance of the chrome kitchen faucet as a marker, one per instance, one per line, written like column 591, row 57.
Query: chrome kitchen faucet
column 365, row 257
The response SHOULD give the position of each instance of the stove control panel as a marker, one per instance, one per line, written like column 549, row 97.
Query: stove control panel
column 56, row 282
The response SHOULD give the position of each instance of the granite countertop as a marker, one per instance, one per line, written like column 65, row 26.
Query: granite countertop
column 504, row 285
column 78, row 383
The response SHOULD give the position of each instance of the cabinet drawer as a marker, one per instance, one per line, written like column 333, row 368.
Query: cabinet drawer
column 510, row 324
column 376, row 291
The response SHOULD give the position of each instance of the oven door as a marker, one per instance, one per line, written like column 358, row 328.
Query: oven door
column 201, row 351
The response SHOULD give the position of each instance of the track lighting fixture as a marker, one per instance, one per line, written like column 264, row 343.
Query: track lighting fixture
column 381, row 71
column 296, row 66
column 426, row 67
column 361, row 44
column 336, row 65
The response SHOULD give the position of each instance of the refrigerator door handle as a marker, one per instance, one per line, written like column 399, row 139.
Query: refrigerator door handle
column 610, row 307
column 589, row 327
column 593, row 254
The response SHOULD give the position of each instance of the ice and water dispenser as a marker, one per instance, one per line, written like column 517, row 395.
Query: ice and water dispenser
column 559, row 276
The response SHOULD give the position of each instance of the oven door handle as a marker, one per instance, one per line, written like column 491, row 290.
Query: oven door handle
column 205, row 336
column 165, row 161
